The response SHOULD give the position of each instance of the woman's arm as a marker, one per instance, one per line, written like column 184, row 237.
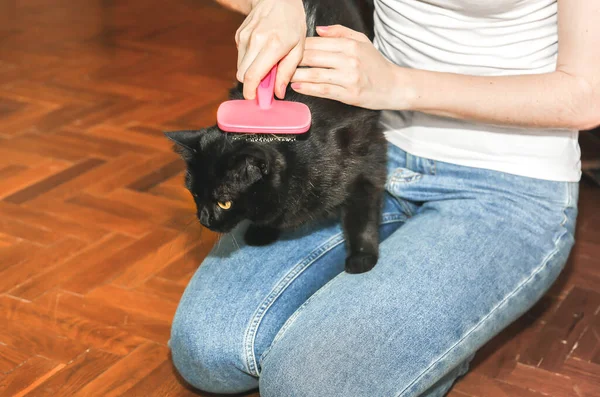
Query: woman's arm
column 566, row 98
column 346, row 67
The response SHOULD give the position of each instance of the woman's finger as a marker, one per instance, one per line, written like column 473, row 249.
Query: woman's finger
column 285, row 70
column 328, row 91
column 264, row 60
column 333, row 44
column 341, row 31
column 243, row 40
column 324, row 59
column 247, row 57
column 320, row 76
column 241, row 29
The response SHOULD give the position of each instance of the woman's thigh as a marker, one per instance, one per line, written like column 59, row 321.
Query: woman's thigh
column 240, row 297
column 476, row 255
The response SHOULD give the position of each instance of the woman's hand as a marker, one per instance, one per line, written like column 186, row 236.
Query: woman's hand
column 274, row 31
column 345, row 66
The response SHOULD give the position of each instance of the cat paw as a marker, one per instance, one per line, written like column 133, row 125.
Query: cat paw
column 360, row 263
column 260, row 235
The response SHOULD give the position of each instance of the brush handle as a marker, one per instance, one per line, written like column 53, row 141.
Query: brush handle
column 266, row 90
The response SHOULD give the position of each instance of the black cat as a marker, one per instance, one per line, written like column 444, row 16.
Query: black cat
column 337, row 168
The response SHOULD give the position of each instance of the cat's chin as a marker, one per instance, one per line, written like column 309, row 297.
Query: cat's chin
column 223, row 229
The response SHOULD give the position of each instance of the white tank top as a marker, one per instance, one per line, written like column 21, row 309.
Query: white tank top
column 476, row 37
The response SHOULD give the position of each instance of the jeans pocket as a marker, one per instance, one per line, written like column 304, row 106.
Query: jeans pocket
column 401, row 176
column 398, row 179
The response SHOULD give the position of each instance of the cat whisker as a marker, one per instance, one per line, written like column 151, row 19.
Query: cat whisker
column 219, row 236
column 235, row 241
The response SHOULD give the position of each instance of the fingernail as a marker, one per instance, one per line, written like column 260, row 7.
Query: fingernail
column 282, row 90
column 296, row 86
column 323, row 27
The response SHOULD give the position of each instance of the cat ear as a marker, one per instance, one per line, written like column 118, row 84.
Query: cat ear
column 250, row 165
column 186, row 142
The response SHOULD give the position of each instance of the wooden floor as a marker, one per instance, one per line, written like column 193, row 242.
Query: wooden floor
column 98, row 237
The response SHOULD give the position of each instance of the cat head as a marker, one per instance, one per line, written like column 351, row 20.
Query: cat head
column 229, row 179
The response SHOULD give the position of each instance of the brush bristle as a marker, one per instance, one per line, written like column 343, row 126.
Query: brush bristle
column 263, row 137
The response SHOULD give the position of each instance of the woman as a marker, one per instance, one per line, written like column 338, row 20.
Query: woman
column 482, row 111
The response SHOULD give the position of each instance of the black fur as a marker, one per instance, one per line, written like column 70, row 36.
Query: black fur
column 337, row 168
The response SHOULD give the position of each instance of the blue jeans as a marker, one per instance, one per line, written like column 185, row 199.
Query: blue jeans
column 464, row 253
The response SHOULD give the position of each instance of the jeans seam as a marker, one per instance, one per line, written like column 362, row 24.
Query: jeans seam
column 536, row 271
column 277, row 290
column 387, row 220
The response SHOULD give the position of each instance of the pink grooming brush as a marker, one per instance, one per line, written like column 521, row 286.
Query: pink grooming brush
column 265, row 115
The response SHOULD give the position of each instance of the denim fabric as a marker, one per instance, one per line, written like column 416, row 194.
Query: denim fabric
column 464, row 252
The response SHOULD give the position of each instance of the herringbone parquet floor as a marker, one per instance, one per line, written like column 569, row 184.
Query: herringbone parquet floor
column 98, row 236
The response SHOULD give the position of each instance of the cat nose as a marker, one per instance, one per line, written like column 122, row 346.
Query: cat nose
column 204, row 217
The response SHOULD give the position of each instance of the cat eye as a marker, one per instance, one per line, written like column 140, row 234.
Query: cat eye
column 226, row 205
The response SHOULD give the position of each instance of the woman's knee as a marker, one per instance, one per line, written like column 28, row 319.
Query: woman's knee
column 207, row 358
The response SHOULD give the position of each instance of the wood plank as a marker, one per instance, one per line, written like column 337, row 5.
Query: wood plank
column 33, row 174
column 146, row 267
column 7, row 241
column 116, row 147
column 35, row 341
column 129, row 174
column 477, row 385
column 587, row 347
column 158, row 142
column 84, row 262
column 32, row 372
column 162, row 210
column 563, row 330
column 182, row 267
column 164, row 288
column 31, row 144
column 11, row 170
column 17, row 253
column 171, row 192
column 102, row 219
column 117, row 263
column 107, row 206
column 81, row 229
column 148, row 181
column 51, row 182
column 127, row 320
column 27, row 231
column 10, row 358
column 45, row 258
column 76, row 374
column 161, row 382
column 122, row 376
column 586, row 376
column 43, row 315
column 499, row 357
column 134, row 301
column 29, row 160
column 96, row 175
column 541, row 381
